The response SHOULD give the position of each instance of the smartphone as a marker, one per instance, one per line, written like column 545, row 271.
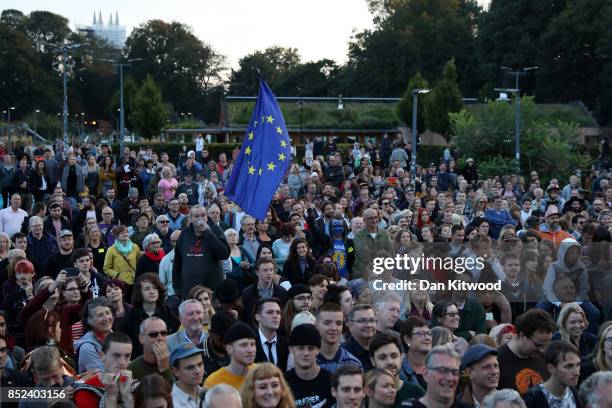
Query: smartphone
column 72, row 272
column 489, row 316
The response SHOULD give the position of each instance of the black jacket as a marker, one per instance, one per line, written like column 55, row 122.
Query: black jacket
column 293, row 273
column 145, row 264
column 50, row 229
column 197, row 260
column 251, row 295
column 282, row 351
column 534, row 398
column 130, row 325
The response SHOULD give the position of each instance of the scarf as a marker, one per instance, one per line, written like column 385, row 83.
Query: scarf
column 123, row 249
column 155, row 257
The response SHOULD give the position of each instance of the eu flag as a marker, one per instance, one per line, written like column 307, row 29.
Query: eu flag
column 263, row 159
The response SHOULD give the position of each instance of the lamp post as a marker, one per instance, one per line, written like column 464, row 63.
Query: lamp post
column 516, row 91
column 300, row 104
column 415, row 99
column 36, row 111
column 10, row 135
column 120, row 65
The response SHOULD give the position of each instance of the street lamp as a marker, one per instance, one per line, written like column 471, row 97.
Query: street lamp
column 36, row 111
column 10, row 108
column 516, row 91
column 340, row 102
column 121, row 110
column 415, row 94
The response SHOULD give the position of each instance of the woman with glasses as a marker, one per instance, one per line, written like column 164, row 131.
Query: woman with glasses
column 148, row 300
column 417, row 339
column 152, row 256
column 239, row 264
column 446, row 315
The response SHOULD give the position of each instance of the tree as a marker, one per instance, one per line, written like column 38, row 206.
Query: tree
column 185, row 68
column 12, row 18
column 271, row 64
column 444, row 98
column 575, row 54
column 411, row 36
column 404, row 106
column 130, row 94
column 488, row 134
column 149, row 114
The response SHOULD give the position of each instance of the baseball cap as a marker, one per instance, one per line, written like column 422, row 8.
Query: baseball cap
column 475, row 353
column 182, row 351
column 65, row 233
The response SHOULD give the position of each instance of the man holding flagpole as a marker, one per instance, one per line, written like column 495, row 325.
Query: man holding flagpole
column 264, row 157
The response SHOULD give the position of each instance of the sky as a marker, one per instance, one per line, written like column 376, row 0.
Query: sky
column 317, row 28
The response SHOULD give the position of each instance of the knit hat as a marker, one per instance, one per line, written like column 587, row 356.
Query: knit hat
column 238, row 331
column 551, row 210
column 24, row 266
column 133, row 192
column 298, row 290
column 227, row 291
column 356, row 286
column 305, row 335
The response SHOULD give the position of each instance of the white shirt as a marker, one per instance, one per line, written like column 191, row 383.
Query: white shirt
column 199, row 143
column 10, row 221
column 264, row 346
column 181, row 399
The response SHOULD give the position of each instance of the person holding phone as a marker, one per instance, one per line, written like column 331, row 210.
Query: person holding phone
column 82, row 267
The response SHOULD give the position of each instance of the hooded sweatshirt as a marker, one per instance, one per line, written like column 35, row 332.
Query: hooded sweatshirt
column 197, row 260
column 577, row 272
column 88, row 349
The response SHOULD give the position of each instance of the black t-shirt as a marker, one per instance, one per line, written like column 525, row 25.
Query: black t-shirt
column 315, row 393
column 415, row 403
column 520, row 374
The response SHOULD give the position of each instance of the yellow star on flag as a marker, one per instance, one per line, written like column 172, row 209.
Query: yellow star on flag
column 270, row 119
column 283, row 143
column 247, row 150
column 260, row 171
column 281, row 156
column 279, row 130
column 271, row 166
column 251, row 135
column 251, row 170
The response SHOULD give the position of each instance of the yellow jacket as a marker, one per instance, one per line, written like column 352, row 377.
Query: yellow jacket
column 119, row 267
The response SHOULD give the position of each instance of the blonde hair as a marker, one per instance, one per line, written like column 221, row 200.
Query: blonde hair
column 265, row 371
column 600, row 354
column 568, row 309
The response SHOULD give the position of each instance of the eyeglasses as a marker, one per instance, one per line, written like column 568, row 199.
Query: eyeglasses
column 303, row 298
column 155, row 242
column 452, row 314
column 71, row 289
column 364, row 321
column 164, row 222
column 446, row 371
column 422, row 334
column 386, row 203
column 155, row 334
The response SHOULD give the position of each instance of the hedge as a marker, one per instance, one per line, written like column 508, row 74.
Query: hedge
column 426, row 154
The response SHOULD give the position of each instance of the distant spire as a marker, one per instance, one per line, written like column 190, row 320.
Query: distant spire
column 100, row 21
column 94, row 20
column 116, row 18
column 110, row 19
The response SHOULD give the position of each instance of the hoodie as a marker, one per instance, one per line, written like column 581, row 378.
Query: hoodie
column 577, row 272
column 88, row 349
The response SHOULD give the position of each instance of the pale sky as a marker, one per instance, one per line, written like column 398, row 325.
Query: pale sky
column 234, row 28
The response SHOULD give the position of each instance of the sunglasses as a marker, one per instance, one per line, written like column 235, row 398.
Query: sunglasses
column 156, row 334
column 164, row 222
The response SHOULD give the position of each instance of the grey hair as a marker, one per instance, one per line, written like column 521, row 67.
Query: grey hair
column 147, row 240
column 229, row 231
column 381, row 298
column 245, row 219
column 184, row 304
column 210, row 207
column 220, row 389
column 588, row 394
column 161, row 217
column 147, row 320
column 446, row 349
column 97, row 302
column 507, row 395
column 45, row 358
column 197, row 207
column 34, row 218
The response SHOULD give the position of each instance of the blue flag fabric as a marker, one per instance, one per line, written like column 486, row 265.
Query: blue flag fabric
column 264, row 157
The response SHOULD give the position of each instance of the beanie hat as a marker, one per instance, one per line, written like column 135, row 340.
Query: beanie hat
column 227, row 291
column 238, row 331
column 305, row 335
column 356, row 286
column 298, row 290
column 551, row 210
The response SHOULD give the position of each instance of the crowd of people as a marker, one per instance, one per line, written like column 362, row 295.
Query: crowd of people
column 132, row 281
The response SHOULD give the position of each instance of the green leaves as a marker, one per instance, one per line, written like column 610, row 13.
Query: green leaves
column 149, row 113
